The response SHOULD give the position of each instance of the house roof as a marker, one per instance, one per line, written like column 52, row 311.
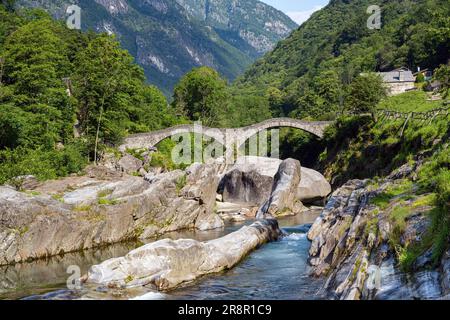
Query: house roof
column 398, row 75
column 421, row 71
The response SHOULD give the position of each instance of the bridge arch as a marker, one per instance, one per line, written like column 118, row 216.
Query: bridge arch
column 151, row 139
column 314, row 127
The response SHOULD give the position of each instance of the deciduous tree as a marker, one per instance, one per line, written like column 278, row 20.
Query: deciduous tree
column 202, row 95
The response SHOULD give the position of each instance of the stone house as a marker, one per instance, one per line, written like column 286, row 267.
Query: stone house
column 398, row 81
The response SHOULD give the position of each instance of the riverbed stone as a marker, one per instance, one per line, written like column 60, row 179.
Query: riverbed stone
column 130, row 164
column 166, row 264
column 28, row 182
column 313, row 186
column 283, row 198
column 245, row 187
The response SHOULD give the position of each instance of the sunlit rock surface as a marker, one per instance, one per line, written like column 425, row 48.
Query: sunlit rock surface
column 166, row 264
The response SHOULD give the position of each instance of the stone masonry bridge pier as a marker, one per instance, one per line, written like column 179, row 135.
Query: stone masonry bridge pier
column 228, row 137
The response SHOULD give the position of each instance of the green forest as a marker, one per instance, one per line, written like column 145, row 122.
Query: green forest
column 309, row 73
column 67, row 96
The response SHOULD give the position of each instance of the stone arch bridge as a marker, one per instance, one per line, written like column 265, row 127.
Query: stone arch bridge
column 225, row 136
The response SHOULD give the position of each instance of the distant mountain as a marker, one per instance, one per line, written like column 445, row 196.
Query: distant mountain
column 242, row 23
column 170, row 37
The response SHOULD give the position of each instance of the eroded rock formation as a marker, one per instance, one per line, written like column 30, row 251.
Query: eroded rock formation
column 166, row 264
column 352, row 246
column 63, row 217
column 250, row 181
column 283, row 198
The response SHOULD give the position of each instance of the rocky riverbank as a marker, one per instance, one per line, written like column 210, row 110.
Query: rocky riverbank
column 95, row 210
column 366, row 235
column 105, row 206
column 166, row 264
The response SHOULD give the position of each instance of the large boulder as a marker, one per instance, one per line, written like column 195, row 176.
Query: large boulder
column 250, row 180
column 28, row 182
column 313, row 186
column 263, row 165
column 95, row 212
column 283, row 199
column 201, row 185
column 167, row 264
column 245, row 187
column 130, row 164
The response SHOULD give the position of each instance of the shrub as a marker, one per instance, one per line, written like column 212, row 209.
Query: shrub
column 107, row 202
column 181, row 183
column 41, row 163
column 430, row 175
column 104, row 193
column 420, row 78
column 434, row 176
column 383, row 199
column 440, row 230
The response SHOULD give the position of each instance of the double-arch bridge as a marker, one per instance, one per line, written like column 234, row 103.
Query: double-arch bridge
column 226, row 136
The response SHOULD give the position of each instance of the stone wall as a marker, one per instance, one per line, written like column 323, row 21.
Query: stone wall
column 399, row 87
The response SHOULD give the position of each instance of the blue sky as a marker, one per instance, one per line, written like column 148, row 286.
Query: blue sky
column 298, row 10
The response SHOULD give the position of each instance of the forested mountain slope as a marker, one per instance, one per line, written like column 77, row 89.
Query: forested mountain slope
column 170, row 37
column 306, row 74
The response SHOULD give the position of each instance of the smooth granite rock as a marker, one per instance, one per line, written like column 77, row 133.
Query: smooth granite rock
column 166, row 264
column 250, row 181
column 98, row 212
column 283, row 198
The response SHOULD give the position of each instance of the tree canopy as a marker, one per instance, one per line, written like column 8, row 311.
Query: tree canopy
column 202, row 95
column 366, row 91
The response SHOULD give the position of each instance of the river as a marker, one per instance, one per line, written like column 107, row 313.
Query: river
column 277, row 270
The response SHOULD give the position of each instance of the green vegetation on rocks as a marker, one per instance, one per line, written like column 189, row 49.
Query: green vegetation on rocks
column 358, row 147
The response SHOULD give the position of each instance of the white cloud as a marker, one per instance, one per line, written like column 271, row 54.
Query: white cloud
column 302, row 16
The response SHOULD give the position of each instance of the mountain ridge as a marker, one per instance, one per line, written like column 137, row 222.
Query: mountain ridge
column 168, row 41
